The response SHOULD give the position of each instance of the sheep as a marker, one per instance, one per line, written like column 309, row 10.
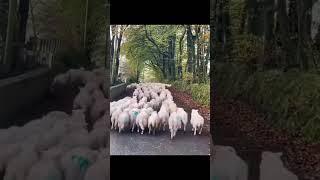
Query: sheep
column 163, row 116
column 153, row 122
column 8, row 135
column 172, row 107
column 196, row 121
column 19, row 166
column 76, row 76
column 60, row 80
column 114, row 118
column 98, row 138
column 123, row 120
column 7, row 153
column 83, row 100
column 133, row 116
column 52, row 137
column 98, row 170
column 98, row 109
column 45, row 169
column 79, row 138
column 183, row 116
column 75, row 162
column 142, row 120
column 272, row 167
column 174, row 124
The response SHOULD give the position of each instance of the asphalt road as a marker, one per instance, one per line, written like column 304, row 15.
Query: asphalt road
column 128, row 143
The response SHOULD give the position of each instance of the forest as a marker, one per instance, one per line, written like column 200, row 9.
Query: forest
column 178, row 54
column 267, row 53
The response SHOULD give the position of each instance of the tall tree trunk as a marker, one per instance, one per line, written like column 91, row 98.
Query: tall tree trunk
column 254, row 17
column 198, row 57
column 268, row 16
column 304, row 24
column 181, row 42
column 19, row 48
column 189, row 49
column 117, row 56
column 172, row 53
column 112, row 49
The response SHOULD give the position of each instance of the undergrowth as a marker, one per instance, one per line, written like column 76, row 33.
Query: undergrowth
column 290, row 100
column 199, row 92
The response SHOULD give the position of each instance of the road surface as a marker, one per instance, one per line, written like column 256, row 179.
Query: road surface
column 128, row 143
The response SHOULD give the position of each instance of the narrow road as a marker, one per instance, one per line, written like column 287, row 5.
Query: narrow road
column 128, row 143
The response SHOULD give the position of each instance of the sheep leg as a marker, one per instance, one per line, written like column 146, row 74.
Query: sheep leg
column 149, row 129
column 195, row 131
column 132, row 128
column 200, row 130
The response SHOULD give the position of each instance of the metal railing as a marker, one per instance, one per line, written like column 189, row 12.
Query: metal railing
column 44, row 51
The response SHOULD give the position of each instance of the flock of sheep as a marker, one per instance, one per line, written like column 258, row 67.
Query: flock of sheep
column 152, row 107
column 58, row 146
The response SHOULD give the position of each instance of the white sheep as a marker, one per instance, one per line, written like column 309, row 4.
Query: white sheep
column 114, row 118
column 45, row 169
column 196, row 121
column 174, row 124
column 77, row 138
column 19, row 166
column 163, row 116
column 133, row 116
column 8, row 152
column 99, row 169
column 98, row 109
column 183, row 116
column 76, row 162
column 83, row 100
column 98, row 138
column 123, row 120
column 142, row 120
column 153, row 122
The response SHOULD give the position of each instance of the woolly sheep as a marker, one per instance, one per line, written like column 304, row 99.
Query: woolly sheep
column 7, row 153
column 174, row 124
column 183, row 116
column 123, row 121
column 98, row 138
column 45, row 169
column 99, row 170
column 153, row 122
column 142, row 120
column 19, row 166
column 196, row 121
column 78, row 138
column 163, row 116
column 76, row 162
column 83, row 100
column 133, row 116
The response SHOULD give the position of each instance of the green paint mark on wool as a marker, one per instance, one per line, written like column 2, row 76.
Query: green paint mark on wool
column 135, row 113
column 81, row 161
